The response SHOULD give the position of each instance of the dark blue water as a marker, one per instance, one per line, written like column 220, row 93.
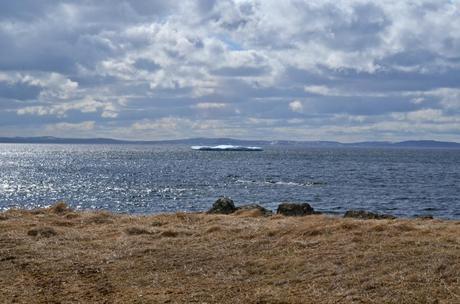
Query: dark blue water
column 150, row 179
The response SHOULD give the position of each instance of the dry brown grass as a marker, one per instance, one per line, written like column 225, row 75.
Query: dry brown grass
column 59, row 256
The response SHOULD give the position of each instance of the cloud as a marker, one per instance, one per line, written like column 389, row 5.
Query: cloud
column 210, row 105
column 296, row 106
column 345, row 69
column 320, row 90
column 450, row 97
column 64, row 127
column 86, row 105
column 167, row 123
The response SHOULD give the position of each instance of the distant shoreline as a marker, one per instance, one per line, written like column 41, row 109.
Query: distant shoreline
column 236, row 142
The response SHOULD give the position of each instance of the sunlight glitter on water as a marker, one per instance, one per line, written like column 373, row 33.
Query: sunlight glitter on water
column 146, row 179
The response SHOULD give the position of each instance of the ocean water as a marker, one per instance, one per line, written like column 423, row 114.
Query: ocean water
column 155, row 178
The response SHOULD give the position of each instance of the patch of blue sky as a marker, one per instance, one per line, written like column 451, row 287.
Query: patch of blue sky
column 230, row 43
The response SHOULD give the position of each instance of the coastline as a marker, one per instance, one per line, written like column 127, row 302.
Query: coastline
column 59, row 255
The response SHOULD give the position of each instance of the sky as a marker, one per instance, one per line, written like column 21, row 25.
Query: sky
column 346, row 70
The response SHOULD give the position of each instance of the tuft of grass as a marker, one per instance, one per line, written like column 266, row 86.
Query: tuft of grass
column 214, row 229
column 63, row 223
column 42, row 232
column 379, row 228
column 71, row 215
column 404, row 227
column 136, row 231
column 169, row 233
column 60, row 208
column 313, row 232
column 157, row 224
column 100, row 217
column 249, row 213
column 349, row 225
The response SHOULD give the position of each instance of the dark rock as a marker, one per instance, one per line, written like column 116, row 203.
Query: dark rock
column 366, row 215
column 262, row 210
column 223, row 205
column 293, row 209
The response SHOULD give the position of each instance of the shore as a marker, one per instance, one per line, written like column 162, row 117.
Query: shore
column 56, row 255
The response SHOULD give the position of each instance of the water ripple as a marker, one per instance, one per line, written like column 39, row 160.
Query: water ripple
column 146, row 179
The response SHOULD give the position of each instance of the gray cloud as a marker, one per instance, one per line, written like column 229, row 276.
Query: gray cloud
column 346, row 70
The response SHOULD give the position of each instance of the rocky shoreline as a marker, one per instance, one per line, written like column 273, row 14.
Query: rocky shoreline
column 230, row 254
column 225, row 205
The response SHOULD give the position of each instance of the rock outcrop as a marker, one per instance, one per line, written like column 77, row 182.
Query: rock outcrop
column 223, row 205
column 294, row 209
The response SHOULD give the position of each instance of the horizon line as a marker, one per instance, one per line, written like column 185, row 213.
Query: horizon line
column 223, row 138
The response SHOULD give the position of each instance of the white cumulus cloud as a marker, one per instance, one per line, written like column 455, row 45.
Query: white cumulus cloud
column 296, row 106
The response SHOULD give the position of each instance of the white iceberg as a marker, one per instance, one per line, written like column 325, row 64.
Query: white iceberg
column 226, row 148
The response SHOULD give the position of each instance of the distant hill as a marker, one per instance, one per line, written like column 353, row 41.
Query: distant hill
column 57, row 140
column 427, row 144
column 236, row 142
column 407, row 144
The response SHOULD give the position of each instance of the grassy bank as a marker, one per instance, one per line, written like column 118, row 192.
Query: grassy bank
column 59, row 256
